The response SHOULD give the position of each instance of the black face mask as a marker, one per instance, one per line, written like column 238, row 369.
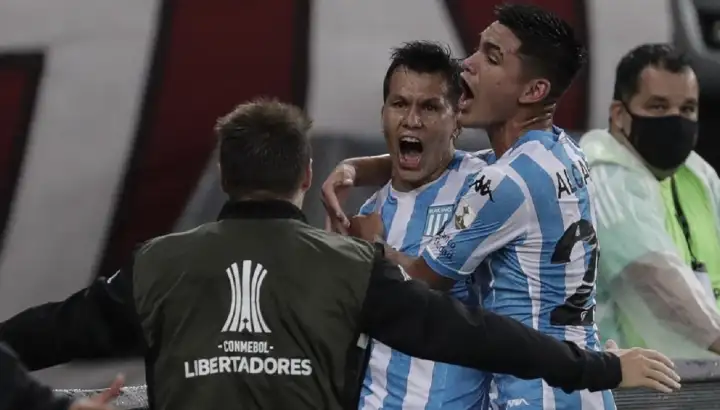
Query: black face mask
column 663, row 142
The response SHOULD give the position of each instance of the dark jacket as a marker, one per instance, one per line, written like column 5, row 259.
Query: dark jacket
column 20, row 391
column 263, row 310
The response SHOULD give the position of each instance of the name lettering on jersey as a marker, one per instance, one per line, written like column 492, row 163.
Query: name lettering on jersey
column 483, row 186
column 573, row 178
column 245, row 318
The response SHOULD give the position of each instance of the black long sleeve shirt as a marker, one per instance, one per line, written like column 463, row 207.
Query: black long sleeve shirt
column 20, row 391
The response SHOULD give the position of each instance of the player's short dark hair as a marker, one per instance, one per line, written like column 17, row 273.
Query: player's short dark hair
column 264, row 147
column 426, row 57
column 548, row 46
column 658, row 55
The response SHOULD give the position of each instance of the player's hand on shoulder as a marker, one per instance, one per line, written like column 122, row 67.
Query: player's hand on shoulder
column 333, row 193
column 544, row 117
column 645, row 368
column 368, row 227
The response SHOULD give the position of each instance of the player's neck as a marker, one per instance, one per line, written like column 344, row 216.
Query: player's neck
column 406, row 186
column 296, row 198
column 503, row 136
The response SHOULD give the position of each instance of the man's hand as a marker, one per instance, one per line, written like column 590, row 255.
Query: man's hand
column 645, row 368
column 101, row 401
column 334, row 193
column 368, row 227
column 543, row 119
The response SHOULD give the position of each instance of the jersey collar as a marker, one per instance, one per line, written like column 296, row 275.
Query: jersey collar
column 270, row 209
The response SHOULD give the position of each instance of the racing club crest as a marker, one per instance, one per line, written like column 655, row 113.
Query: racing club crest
column 437, row 216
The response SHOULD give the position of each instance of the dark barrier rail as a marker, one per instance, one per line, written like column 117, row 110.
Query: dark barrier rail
column 701, row 391
column 131, row 398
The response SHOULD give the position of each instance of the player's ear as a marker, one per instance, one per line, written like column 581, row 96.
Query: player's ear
column 307, row 177
column 456, row 133
column 535, row 91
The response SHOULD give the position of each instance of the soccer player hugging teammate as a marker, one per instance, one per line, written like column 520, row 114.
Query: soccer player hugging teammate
column 524, row 228
column 527, row 222
column 421, row 92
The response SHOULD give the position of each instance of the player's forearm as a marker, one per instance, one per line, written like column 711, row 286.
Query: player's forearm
column 406, row 316
column 371, row 171
column 416, row 268
column 672, row 298
column 95, row 322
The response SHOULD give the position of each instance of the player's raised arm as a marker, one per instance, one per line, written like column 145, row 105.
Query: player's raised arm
column 406, row 315
column 352, row 172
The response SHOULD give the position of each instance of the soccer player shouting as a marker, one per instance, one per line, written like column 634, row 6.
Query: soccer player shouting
column 525, row 228
column 421, row 93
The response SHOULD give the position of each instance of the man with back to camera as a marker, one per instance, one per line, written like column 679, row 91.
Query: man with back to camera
column 261, row 310
column 528, row 221
column 658, row 204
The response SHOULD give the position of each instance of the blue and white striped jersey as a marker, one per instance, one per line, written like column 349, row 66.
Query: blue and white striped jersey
column 528, row 218
column 526, row 231
column 395, row 380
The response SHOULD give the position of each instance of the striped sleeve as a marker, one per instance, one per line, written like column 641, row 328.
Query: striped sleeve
column 491, row 215
column 370, row 205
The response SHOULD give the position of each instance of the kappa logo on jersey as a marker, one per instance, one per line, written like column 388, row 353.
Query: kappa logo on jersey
column 483, row 186
column 245, row 313
column 437, row 216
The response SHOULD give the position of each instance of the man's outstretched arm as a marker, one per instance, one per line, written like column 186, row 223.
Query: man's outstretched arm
column 407, row 316
column 97, row 322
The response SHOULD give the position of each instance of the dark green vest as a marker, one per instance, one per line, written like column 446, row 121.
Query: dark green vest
column 252, row 314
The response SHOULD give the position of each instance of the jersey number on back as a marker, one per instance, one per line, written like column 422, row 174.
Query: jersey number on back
column 575, row 311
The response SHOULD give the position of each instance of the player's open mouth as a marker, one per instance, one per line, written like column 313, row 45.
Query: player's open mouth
column 410, row 150
column 467, row 95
